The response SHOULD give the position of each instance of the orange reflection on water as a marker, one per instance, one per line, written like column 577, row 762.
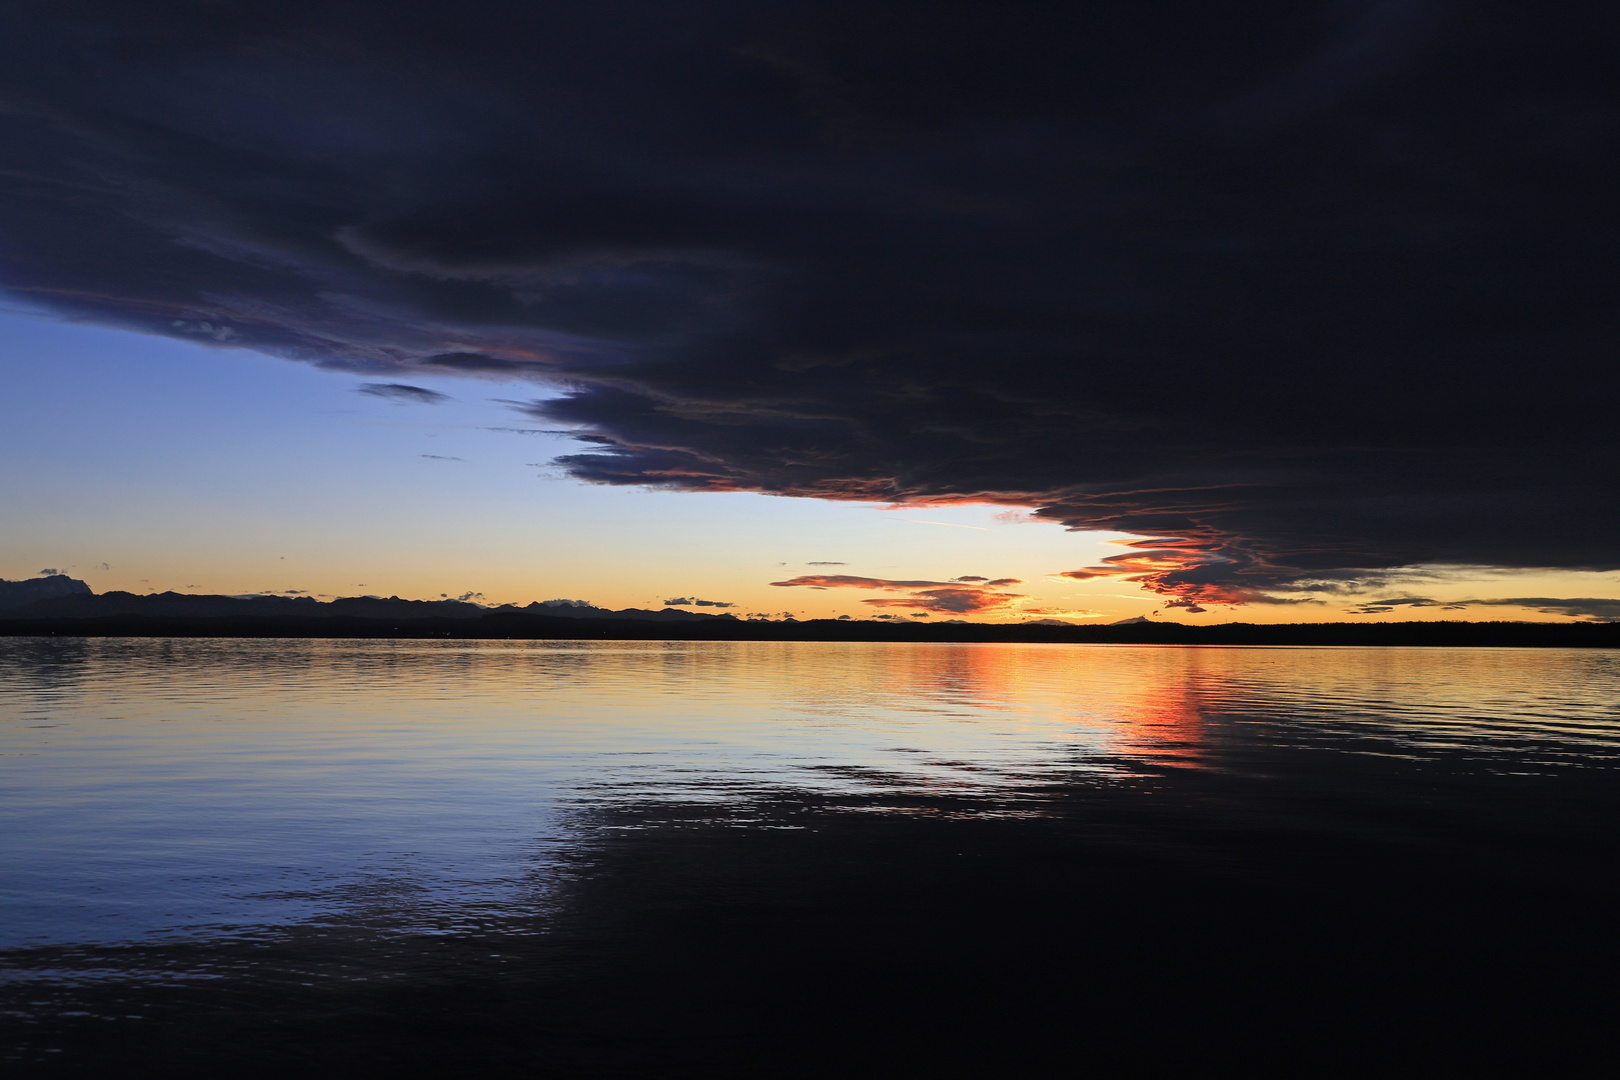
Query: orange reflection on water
column 1166, row 719
column 1144, row 702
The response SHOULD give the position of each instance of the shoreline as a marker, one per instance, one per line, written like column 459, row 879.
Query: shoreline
column 512, row 626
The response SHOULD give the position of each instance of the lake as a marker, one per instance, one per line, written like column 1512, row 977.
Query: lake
column 589, row 858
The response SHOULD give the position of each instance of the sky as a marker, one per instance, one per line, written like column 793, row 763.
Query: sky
column 1265, row 312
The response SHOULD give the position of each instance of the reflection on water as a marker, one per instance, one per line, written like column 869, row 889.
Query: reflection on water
column 263, row 811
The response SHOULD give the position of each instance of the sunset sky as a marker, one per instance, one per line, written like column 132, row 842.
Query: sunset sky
column 1266, row 312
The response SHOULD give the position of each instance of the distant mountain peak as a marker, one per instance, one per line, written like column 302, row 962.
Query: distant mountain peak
column 17, row 593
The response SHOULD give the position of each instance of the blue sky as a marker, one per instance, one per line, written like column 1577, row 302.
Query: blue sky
column 181, row 465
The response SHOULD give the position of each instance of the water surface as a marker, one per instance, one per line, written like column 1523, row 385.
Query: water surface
column 753, row 858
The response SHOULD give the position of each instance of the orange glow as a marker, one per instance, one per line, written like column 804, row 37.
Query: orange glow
column 1153, row 707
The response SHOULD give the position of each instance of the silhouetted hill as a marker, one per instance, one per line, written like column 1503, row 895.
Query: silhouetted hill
column 16, row 594
column 70, row 599
column 62, row 605
column 564, row 609
column 181, row 605
column 521, row 623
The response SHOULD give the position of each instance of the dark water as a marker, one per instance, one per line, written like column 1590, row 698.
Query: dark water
column 797, row 859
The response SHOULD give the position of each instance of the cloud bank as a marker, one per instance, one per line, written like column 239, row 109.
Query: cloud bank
column 1294, row 292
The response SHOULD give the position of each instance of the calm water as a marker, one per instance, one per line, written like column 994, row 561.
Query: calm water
column 694, row 858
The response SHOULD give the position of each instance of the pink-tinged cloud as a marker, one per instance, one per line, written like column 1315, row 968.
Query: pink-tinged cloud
column 850, row 581
column 1193, row 572
column 961, row 597
column 963, row 600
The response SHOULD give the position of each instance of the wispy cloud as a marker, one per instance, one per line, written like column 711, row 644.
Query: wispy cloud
column 1597, row 609
column 1601, row 609
column 419, row 395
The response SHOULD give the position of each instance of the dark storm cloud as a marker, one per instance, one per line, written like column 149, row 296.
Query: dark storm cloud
column 400, row 392
column 1297, row 291
column 475, row 362
column 690, row 602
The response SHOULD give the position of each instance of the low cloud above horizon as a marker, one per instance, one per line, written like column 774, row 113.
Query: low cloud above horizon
column 1301, row 296
column 1591, row 608
column 966, row 595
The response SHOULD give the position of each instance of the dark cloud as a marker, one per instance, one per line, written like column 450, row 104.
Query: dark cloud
column 475, row 362
column 826, row 564
column 401, row 392
column 441, row 457
column 685, row 602
column 1294, row 291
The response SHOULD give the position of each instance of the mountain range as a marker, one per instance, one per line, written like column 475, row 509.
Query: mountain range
column 58, row 596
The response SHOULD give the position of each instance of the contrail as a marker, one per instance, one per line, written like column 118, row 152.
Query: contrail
column 952, row 524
